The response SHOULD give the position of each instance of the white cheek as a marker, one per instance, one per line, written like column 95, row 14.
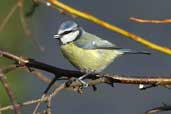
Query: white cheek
column 69, row 37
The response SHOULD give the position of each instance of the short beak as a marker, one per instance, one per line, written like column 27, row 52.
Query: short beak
column 56, row 36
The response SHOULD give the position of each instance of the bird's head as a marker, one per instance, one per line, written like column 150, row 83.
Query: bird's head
column 68, row 31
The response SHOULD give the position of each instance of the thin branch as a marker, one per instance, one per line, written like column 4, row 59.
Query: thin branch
column 10, row 93
column 19, row 5
column 38, row 105
column 9, row 68
column 109, row 26
column 158, row 109
column 163, row 81
column 22, row 19
column 55, row 92
column 49, row 105
column 63, row 86
column 150, row 21
column 44, row 99
column 45, row 93
column 24, row 104
column 23, row 22
column 6, row 19
column 58, row 89
column 25, row 26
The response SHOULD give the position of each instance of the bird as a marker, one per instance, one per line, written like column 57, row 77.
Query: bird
column 86, row 51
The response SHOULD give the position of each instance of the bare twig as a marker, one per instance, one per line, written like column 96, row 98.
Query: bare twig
column 38, row 104
column 73, row 84
column 24, row 104
column 49, row 105
column 9, row 92
column 158, row 109
column 150, row 21
column 19, row 5
column 42, row 99
column 24, row 24
column 22, row 19
column 56, row 91
column 6, row 19
column 9, row 68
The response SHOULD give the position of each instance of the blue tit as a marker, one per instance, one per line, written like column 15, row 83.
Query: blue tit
column 88, row 52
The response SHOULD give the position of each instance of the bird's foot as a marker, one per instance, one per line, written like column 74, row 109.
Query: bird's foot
column 84, row 84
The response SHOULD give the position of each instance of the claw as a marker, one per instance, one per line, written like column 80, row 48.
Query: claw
column 83, row 82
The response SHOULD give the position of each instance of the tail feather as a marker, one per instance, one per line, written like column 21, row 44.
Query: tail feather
column 130, row 51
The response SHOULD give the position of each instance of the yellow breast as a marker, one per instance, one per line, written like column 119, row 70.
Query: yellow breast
column 87, row 59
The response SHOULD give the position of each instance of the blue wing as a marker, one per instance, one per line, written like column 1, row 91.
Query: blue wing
column 90, row 41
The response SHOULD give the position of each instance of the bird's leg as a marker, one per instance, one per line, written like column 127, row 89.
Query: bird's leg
column 82, row 77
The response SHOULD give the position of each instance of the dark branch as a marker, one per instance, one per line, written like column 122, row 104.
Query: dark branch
column 106, row 78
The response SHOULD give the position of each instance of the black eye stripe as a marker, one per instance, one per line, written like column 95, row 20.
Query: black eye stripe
column 66, row 32
column 74, row 29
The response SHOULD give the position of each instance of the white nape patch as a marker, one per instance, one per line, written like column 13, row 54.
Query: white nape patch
column 69, row 37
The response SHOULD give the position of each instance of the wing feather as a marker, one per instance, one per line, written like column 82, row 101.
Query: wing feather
column 90, row 41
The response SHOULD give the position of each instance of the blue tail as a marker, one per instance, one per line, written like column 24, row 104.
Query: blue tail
column 130, row 51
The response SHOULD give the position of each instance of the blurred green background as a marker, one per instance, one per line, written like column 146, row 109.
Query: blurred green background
column 13, row 39
column 123, row 99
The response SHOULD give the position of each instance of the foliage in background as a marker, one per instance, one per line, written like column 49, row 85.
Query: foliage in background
column 13, row 39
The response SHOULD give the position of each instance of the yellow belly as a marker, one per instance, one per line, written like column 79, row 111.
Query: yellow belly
column 88, row 60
